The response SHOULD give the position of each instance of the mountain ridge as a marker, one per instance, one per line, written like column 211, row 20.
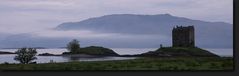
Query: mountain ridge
column 156, row 15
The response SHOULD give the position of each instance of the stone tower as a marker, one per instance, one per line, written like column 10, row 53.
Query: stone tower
column 183, row 36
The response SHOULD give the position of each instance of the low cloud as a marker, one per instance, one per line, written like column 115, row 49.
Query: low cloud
column 71, row 34
column 90, row 34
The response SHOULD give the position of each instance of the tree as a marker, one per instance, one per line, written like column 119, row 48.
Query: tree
column 25, row 55
column 73, row 46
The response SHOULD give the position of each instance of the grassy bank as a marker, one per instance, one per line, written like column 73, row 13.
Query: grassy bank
column 181, row 63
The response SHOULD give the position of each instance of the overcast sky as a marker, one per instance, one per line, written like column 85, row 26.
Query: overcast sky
column 24, row 16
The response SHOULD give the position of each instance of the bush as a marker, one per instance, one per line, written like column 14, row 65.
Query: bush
column 5, row 63
column 25, row 55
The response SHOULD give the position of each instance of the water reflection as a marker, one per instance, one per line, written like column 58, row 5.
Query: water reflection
column 94, row 58
column 47, row 59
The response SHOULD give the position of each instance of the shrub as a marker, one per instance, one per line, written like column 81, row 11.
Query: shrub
column 25, row 55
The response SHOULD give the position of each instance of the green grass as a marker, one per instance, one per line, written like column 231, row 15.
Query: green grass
column 174, row 64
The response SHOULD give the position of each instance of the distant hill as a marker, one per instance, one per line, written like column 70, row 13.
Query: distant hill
column 206, row 32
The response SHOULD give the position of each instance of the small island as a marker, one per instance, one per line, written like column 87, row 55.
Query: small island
column 74, row 49
column 94, row 50
column 48, row 54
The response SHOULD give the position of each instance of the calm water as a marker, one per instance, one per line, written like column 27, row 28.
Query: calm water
column 122, row 51
column 46, row 59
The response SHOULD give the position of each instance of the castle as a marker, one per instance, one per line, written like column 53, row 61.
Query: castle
column 183, row 36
